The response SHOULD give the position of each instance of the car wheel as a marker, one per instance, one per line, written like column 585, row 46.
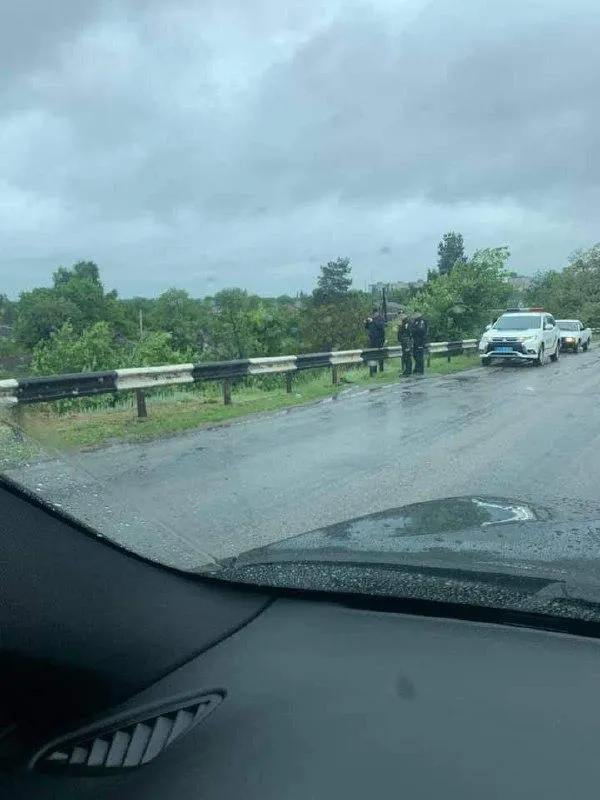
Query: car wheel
column 554, row 356
column 541, row 358
column 485, row 362
column 576, row 348
column 585, row 346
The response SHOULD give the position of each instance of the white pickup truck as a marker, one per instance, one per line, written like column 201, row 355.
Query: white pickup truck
column 573, row 335
column 526, row 335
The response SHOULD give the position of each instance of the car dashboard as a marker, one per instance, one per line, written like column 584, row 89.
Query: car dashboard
column 325, row 701
column 123, row 679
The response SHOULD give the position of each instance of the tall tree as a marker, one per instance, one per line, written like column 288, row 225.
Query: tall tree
column 41, row 312
column 336, row 326
column 334, row 316
column 450, row 250
column 334, row 282
column 87, row 296
column 234, row 331
column 175, row 312
column 573, row 292
column 77, row 296
column 82, row 269
column 458, row 304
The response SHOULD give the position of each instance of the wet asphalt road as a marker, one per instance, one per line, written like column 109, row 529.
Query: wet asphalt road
column 531, row 434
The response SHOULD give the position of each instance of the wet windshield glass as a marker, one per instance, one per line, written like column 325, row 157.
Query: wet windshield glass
column 567, row 324
column 518, row 323
column 250, row 254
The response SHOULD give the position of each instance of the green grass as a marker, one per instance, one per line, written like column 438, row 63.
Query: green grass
column 175, row 411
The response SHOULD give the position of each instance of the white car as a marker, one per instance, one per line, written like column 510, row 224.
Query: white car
column 573, row 335
column 526, row 335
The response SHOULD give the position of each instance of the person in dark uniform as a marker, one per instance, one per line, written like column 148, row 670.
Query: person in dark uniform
column 418, row 330
column 375, row 326
column 406, row 343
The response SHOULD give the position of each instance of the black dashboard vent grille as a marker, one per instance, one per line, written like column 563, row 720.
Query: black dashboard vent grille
column 125, row 742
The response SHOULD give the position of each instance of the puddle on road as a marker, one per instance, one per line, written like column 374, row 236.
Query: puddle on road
column 412, row 398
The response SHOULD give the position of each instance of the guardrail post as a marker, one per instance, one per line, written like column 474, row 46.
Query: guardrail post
column 227, row 393
column 335, row 378
column 288, row 382
column 140, row 399
column 449, row 356
column 16, row 416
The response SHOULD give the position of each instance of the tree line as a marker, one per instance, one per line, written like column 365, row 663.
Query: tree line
column 76, row 324
column 573, row 292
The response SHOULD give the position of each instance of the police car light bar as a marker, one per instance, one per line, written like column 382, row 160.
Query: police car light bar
column 521, row 310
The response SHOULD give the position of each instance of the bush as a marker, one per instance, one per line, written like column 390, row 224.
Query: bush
column 65, row 351
column 96, row 350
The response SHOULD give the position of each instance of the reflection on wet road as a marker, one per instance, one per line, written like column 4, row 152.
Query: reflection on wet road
column 531, row 434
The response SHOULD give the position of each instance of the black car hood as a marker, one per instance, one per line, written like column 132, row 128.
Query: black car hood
column 477, row 534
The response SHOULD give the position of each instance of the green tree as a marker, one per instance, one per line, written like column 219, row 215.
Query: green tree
column 450, row 250
column 333, row 283
column 278, row 328
column 128, row 318
column 235, row 326
column 82, row 269
column 77, row 296
column 41, row 312
column 175, row 312
column 582, row 286
column 458, row 304
column 546, row 290
column 335, row 326
column 334, row 315
column 88, row 297
column 572, row 292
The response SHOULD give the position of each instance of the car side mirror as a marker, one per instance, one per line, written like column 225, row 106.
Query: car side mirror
column 548, row 327
column 487, row 327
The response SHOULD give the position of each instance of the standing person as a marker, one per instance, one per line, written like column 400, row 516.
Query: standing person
column 375, row 326
column 406, row 343
column 419, row 336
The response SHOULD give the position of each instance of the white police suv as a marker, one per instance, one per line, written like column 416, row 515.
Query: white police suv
column 521, row 334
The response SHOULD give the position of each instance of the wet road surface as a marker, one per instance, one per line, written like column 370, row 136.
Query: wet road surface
column 532, row 434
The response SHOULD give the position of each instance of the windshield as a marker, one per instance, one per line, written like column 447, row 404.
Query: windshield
column 518, row 322
column 248, row 253
column 567, row 324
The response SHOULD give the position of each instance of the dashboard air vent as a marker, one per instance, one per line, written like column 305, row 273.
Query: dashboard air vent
column 128, row 741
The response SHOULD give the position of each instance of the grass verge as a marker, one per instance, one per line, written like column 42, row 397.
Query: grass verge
column 175, row 412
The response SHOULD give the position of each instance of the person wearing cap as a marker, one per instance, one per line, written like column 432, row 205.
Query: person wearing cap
column 419, row 337
column 375, row 326
column 406, row 343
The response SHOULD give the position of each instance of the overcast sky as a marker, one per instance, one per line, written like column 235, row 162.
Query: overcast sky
column 243, row 142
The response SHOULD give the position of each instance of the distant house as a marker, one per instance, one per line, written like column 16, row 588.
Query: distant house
column 395, row 286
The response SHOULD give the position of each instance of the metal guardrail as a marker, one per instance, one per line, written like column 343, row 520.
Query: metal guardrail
column 26, row 391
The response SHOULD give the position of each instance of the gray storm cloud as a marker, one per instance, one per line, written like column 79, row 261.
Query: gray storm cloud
column 172, row 141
